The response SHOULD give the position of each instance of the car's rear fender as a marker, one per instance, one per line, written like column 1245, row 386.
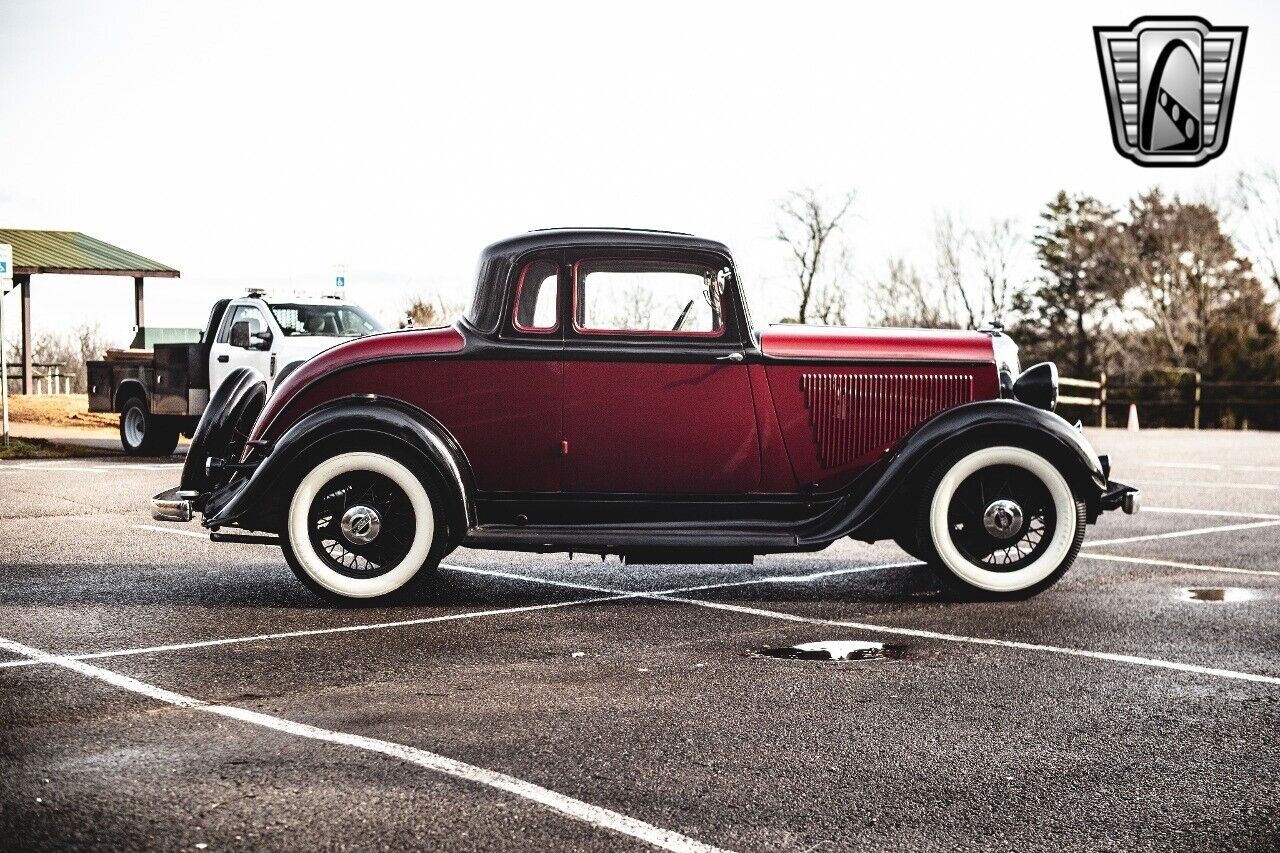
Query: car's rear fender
column 877, row 500
column 256, row 500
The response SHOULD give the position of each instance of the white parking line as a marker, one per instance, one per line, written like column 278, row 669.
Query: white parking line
column 1175, row 534
column 1198, row 466
column 593, row 815
column 1225, row 513
column 1211, row 484
column 315, row 632
column 916, row 632
column 1203, row 466
column 608, row 595
column 1172, row 564
column 177, row 531
column 104, row 468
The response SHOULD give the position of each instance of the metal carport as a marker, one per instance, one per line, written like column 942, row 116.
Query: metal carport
column 72, row 253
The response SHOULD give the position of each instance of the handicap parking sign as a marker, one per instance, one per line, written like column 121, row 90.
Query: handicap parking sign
column 341, row 281
column 6, row 267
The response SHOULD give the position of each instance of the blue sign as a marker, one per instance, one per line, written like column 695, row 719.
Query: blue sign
column 341, row 281
column 4, row 267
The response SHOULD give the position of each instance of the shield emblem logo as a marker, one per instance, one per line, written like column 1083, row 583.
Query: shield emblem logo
column 1170, row 84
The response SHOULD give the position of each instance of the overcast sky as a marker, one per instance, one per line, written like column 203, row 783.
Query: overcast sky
column 264, row 143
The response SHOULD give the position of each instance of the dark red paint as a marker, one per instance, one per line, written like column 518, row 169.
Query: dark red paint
column 925, row 345
column 659, row 427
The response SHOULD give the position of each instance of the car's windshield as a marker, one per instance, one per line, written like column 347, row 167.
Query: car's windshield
column 332, row 321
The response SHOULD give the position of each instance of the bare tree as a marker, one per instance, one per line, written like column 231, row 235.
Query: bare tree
column 634, row 308
column 424, row 314
column 902, row 297
column 976, row 268
column 808, row 226
column 1257, row 198
column 949, row 243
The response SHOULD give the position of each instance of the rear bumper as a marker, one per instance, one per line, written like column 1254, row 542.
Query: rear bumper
column 172, row 505
column 1122, row 497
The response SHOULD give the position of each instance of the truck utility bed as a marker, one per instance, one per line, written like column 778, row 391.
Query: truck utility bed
column 175, row 378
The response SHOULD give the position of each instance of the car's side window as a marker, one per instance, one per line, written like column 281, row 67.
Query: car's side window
column 536, row 297
column 643, row 297
column 248, row 313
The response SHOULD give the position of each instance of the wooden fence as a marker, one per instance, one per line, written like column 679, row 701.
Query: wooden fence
column 45, row 379
column 1183, row 399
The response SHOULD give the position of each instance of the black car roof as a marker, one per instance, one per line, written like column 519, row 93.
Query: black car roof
column 498, row 260
column 551, row 238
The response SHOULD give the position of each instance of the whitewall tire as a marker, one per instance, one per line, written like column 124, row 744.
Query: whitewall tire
column 1001, row 521
column 360, row 527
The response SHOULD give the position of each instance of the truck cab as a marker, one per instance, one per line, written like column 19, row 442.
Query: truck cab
column 162, row 392
column 276, row 336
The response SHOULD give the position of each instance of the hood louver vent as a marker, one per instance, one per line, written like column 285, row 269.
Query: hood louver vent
column 853, row 415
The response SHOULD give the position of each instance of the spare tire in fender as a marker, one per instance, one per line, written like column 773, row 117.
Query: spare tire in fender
column 224, row 427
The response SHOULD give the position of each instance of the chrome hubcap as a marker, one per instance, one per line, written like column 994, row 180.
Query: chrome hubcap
column 1003, row 519
column 361, row 524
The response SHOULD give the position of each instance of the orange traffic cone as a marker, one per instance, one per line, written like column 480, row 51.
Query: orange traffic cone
column 1133, row 417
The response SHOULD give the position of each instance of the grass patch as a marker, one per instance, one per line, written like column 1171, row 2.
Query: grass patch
column 38, row 448
column 62, row 410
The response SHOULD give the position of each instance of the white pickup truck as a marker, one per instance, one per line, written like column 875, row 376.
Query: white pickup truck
column 161, row 393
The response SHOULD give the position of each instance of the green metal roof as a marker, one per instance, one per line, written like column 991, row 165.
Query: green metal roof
column 73, row 253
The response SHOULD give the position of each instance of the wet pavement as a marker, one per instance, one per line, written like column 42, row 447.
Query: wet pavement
column 533, row 703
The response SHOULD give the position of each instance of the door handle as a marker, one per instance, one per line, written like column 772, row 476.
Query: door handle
column 223, row 359
column 733, row 357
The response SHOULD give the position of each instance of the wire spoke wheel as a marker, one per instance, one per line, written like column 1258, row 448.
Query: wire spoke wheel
column 361, row 524
column 1001, row 518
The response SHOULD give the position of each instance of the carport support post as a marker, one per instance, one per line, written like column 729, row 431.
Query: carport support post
column 25, row 282
column 137, row 301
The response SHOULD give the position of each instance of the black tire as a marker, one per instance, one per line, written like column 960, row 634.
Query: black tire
column 145, row 434
column 312, row 518
column 910, row 543
column 959, row 562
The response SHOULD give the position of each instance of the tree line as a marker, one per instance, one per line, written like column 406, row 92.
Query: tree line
column 1159, row 283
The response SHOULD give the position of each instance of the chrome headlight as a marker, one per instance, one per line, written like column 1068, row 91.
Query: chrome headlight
column 1007, row 365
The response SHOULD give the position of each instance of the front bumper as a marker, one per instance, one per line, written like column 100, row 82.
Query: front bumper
column 1120, row 496
column 173, row 505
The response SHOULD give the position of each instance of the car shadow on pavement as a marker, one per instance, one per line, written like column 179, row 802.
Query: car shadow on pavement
column 272, row 585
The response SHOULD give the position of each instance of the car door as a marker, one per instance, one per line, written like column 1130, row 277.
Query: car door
column 657, row 399
column 225, row 356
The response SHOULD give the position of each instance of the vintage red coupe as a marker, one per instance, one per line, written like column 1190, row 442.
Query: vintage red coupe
column 606, row 392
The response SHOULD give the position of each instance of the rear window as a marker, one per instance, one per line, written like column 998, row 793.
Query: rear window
column 536, row 303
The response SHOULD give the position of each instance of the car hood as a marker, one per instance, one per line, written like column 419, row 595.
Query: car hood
column 842, row 342
column 352, row 351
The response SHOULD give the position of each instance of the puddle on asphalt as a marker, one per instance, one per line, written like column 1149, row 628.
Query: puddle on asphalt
column 835, row 650
column 1216, row 593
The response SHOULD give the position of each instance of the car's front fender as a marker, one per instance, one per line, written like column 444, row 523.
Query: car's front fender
column 366, row 422
column 873, row 504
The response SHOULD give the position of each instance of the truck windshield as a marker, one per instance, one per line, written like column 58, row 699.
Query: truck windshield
column 331, row 321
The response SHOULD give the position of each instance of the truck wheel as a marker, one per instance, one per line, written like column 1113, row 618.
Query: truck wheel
column 362, row 528
column 999, row 522
column 144, row 434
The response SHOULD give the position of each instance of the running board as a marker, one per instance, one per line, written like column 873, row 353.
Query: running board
column 638, row 541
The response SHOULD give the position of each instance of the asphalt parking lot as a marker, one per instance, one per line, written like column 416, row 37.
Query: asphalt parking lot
column 158, row 690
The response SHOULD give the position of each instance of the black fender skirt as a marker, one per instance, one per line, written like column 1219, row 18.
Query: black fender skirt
column 224, row 426
column 869, row 510
column 252, row 500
